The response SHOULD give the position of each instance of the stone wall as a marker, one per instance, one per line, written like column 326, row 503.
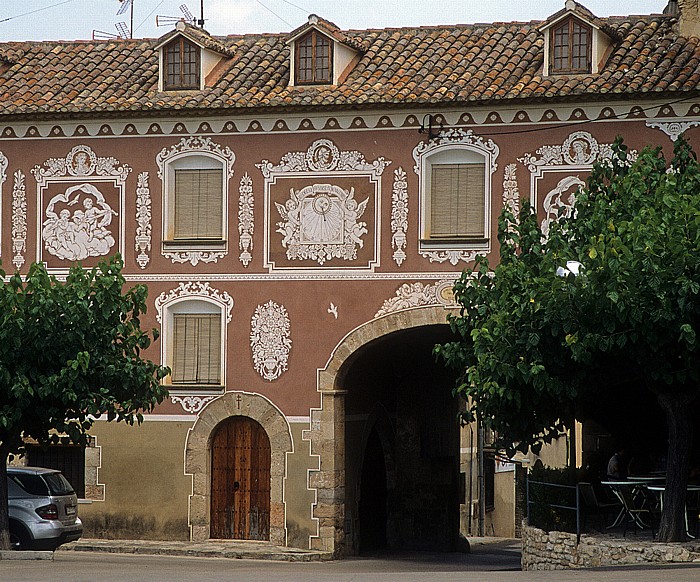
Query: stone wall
column 558, row 550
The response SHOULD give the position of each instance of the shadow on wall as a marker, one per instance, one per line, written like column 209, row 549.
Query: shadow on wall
column 118, row 526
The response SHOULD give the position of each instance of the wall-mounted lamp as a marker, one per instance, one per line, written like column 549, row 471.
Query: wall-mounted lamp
column 428, row 126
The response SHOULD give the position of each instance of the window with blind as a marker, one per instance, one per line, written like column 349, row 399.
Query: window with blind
column 571, row 48
column 457, row 201
column 182, row 65
column 196, row 352
column 314, row 61
column 198, row 208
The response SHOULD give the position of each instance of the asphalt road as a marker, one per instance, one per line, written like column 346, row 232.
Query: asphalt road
column 498, row 562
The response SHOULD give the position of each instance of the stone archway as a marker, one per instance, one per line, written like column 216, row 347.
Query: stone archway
column 198, row 458
column 327, row 434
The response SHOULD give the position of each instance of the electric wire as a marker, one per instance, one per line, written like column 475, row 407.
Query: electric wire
column 35, row 11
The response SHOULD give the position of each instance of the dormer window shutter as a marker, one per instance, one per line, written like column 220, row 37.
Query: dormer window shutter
column 314, row 61
column 181, row 59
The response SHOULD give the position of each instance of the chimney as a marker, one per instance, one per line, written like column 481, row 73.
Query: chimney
column 689, row 17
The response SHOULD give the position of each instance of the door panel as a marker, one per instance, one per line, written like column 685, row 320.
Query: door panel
column 240, row 481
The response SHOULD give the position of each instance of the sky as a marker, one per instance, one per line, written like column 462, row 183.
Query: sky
column 77, row 19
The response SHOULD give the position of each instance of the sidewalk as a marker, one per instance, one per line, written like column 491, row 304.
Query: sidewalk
column 210, row 549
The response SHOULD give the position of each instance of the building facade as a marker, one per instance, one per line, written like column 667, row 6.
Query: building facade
column 298, row 206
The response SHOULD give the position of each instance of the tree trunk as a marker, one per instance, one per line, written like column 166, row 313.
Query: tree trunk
column 680, row 435
column 4, row 511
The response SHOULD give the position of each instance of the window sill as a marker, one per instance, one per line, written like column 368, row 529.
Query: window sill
column 454, row 243
column 189, row 389
column 198, row 244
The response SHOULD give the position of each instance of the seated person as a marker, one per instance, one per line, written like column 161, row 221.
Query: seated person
column 617, row 469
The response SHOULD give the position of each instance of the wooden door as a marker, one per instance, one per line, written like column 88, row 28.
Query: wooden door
column 240, row 481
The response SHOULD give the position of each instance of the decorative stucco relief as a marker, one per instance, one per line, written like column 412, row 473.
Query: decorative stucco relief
column 143, row 220
column 511, row 194
column 245, row 219
column 675, row 128
column 323, row 156
column 77, row 222
column 194, row 145
column 194, row 290
column 19, row 219
column 411, row 295
column 83, row 233
column 321, row 222
column 192, row 404
column 457, row 137
column 399, row 215
column 578, row 152
column 270, row 340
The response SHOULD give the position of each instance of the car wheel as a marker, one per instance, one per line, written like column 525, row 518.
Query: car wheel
column 18, row 538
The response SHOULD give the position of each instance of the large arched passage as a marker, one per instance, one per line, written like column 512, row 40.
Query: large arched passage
column 388, row 439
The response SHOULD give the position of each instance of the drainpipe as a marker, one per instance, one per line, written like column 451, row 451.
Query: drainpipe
column 481, row 481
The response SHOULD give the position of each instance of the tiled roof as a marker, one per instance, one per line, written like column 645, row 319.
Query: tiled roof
column 409, row 67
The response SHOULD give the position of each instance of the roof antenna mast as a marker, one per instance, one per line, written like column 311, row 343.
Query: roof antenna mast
column 201, row 15
column 126, row 5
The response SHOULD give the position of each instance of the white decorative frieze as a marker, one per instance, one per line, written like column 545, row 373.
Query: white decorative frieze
column 323, row 156
column 194, row 257
column 452, row 256
column 19, row 219
column 410, row 295
column 675, row 128
column 81, row 162
column 143, row 220
column 192, row 404
column 320, row 222
column 458, row 137
column 245, row 219
column 194, row 290
column 399, row 215
column 270, row 340
column 81, row 233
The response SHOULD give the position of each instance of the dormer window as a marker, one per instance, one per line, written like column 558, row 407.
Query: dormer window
column 570, row 47
column 314, row 63
column 182, row 65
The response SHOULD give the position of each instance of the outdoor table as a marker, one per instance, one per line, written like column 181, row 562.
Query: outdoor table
column 661, row 489
column 615, row 487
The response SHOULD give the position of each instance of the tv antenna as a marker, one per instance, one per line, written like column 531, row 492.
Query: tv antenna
column 125, row 32
column 170, row 20
column 122, row 32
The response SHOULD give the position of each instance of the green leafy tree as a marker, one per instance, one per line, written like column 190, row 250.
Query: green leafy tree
column 533, row 344
column 70, row 352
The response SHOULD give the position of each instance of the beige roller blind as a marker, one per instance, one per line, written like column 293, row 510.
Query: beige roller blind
column 198, row 212
column 457, row 201
column 196, row 348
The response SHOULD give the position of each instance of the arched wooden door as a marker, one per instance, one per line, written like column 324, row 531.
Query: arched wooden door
column 240, row 481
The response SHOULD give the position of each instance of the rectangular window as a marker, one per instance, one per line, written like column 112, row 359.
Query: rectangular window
column 196, row 348
column 457, row 201
column 314, row 61
column 182, row 64
column 198, row 209
column 570, row 50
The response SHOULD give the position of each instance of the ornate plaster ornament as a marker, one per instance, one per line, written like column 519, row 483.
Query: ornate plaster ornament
column 19, row 219
column 452, row 140
column 270, row 340
column 143, row 220
column 511, row 195
column 3, row 177
column 323, row 156
column 399, row 215
column 245, row 219
column 411, row 295
column 193, row 145
column 81, row 162
column 194, row 290
column 192, row 404
column 83, row 232
column 675, row 128
column 320, row 222
column 559, row 203
column 195, row 257
column 333, row 310
column 77, row 233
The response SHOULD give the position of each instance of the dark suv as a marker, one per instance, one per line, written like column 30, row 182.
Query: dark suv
column 43, row 509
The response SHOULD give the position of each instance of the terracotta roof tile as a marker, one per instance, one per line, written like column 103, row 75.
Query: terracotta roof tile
column 408, row 66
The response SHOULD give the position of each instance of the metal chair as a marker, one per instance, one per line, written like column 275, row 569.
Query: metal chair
column 633, row 512
column 594, row 506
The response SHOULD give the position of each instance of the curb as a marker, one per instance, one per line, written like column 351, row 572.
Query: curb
column 25, row 555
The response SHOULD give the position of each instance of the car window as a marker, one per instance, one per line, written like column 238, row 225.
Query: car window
column 58, row 484
column 32, row 484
